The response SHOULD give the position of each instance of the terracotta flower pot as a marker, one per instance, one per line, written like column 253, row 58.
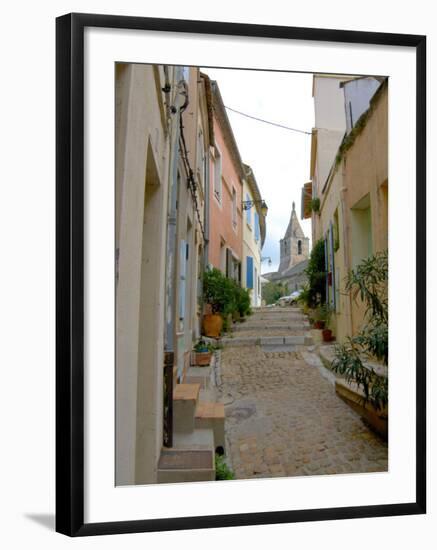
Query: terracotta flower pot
column 212, row 325
column 327, row 335
column 202, row 358
column 319, row 324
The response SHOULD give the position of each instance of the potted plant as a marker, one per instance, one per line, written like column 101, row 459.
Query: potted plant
column 216, row 295
column 202, row 354
column 315, row 205
column 319, row 320
column 326, row 312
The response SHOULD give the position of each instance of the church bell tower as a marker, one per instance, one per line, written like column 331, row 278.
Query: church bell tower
column 294, row 247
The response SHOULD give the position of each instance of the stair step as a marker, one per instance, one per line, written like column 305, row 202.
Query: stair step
column 268, row 340
column 207, row 409
column 185, row 397
column 211, row 415
column 198, row 439
column 208, row 394
column 186, row 392
column 199, row 375
column 185, row 465
column 263, row 325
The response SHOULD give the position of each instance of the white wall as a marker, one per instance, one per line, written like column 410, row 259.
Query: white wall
column 330, row 121
column 27, row 321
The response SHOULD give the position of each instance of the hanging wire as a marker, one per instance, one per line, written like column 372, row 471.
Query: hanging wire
column 269, row 122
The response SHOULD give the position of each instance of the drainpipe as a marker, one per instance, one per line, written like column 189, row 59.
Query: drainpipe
column 206, row 213
column 180, row 103
column 173, row 110
column 347, row 262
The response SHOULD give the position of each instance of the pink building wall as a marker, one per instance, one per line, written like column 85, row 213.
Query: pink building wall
column 221, row 226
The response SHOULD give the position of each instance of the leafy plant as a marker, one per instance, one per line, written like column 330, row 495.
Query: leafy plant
column 218, row 291
column 315, row 204
column 316, row 275
column 242, row 300
column 323, row 313
column 272, row 291
column 202, row 346
column 225, row 295
column 304, row 296
column 222, row 470
column 368, row 282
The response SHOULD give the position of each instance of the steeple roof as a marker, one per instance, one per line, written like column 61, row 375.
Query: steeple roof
column 294, row 229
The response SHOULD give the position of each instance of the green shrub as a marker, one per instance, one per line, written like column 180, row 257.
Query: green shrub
column 316, row 275
column 222, row 470
column 225, row 295
column 271, row 292
column 315, row 204
column 218, row 291
column 242, row 300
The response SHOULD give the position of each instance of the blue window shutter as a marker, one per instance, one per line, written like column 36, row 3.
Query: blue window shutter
column 331, row 257
column 256, row 227
column 249, row 272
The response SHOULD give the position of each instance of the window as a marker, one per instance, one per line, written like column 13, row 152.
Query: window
column 336, row 232
column 217, row 174
column 299, row 247
column 234, row 208
column 200, row 160
column 248, row 212
column 361, row 223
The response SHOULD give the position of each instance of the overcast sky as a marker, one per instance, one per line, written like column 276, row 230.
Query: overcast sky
column 279, row 158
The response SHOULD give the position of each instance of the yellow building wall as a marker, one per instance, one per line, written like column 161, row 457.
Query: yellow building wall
column 357, row 196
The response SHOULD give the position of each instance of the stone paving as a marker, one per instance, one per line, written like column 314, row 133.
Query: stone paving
column 283, row 417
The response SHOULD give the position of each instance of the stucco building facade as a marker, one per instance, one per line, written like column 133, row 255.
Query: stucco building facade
column 350, row 182
column 254, row 234
column 225, row 246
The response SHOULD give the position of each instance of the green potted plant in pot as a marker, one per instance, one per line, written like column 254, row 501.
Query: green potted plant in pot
column 202, row 354
column 326, row 315
column 218, row 294
column 319, row 318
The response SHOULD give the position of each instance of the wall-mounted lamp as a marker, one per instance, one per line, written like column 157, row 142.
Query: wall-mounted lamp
column 247, row 205
column 264, row 258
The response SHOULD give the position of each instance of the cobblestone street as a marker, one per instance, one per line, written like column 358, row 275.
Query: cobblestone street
column 283, row 417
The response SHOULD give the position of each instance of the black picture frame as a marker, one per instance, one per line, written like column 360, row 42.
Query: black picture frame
column 70, row 273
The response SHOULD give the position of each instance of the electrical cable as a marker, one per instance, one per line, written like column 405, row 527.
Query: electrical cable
column 269, row 122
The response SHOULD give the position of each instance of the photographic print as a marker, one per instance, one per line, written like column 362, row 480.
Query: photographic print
column 251, row 274
column 225, row 239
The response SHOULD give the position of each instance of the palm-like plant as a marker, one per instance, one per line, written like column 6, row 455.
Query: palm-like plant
column 368, row 282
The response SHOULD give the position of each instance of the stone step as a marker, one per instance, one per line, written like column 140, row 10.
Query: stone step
column 198, row 439
column 277, row 309
column 275, row 325
column 176, row 466
column 185, row 398
column 199, row 375
column 267, row 340
column 211, row 415
column 208, row 394
column 277, row 317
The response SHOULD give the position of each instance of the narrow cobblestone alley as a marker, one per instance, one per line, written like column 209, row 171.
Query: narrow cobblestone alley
column 283, row 417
